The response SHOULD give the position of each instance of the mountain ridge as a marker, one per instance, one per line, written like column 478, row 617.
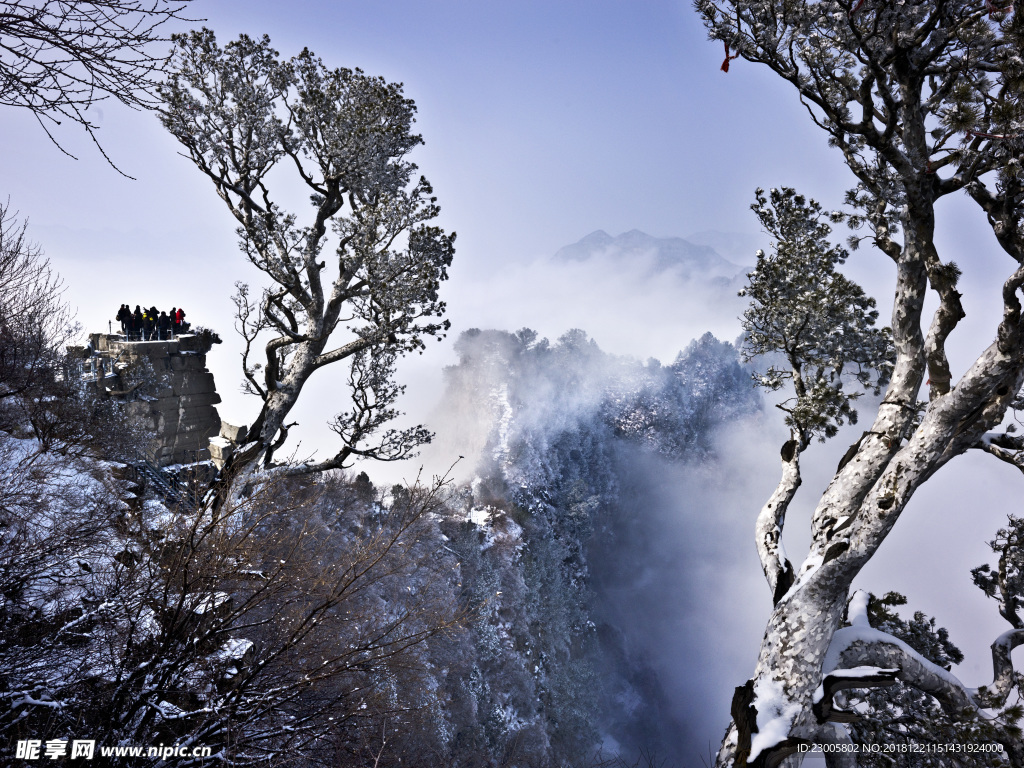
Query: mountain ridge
column 661, row 253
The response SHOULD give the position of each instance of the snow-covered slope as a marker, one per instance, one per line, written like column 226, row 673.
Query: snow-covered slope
column 598, row 467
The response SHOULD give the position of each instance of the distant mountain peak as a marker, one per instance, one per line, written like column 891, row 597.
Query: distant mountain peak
column 662, row 253
column 594, row 241
column 635, row 238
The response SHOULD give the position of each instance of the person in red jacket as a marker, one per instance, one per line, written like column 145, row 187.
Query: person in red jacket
column 179, row 317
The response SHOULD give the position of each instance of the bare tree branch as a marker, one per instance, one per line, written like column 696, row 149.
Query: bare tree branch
column 59, row 59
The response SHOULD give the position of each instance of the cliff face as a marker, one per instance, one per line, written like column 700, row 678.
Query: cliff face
column 588, row 536
column 181, row 410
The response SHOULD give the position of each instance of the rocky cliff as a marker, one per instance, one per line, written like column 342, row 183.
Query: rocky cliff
column 179, row 406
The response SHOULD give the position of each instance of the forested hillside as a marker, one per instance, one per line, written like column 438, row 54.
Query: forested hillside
column 580, row 589
column 572, row 471
column 338, row 623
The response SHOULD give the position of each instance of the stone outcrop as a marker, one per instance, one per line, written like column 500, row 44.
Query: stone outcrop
column 222, row 447
column 178, row 403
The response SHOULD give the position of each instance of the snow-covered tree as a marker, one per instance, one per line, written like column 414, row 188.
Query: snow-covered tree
column 355, row 279
column 821, row 324
column 34, row 321
column 924, row 100
column 891, row 716
column 313, row 619
column 303, row 623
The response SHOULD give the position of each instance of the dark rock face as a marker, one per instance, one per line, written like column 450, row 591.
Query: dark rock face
column 181, row 410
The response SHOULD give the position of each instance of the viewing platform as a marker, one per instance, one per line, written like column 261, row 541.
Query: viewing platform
column 178, row 398
column 117, row 343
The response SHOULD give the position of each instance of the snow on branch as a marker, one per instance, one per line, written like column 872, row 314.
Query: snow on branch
column 840, row 679
column 1003, row 675
column 778, row 570
column 861, row 652
column 764, row 717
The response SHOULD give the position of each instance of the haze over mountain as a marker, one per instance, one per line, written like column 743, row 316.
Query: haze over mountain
column 612, row 471
column 735, row 246
column 689, row 259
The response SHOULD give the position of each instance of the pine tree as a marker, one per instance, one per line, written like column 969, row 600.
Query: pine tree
column 923, row 100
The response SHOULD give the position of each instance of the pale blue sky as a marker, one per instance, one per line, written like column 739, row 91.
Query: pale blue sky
column 543, row 121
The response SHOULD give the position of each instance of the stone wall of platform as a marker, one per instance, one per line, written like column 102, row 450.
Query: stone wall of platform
column 180, row 408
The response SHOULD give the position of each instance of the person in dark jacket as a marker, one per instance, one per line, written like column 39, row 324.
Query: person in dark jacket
column 175, row 328
column 122, row 317
column 139, row 327
column 163, row 326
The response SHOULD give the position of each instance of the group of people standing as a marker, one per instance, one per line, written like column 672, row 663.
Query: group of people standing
column 151, row 324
